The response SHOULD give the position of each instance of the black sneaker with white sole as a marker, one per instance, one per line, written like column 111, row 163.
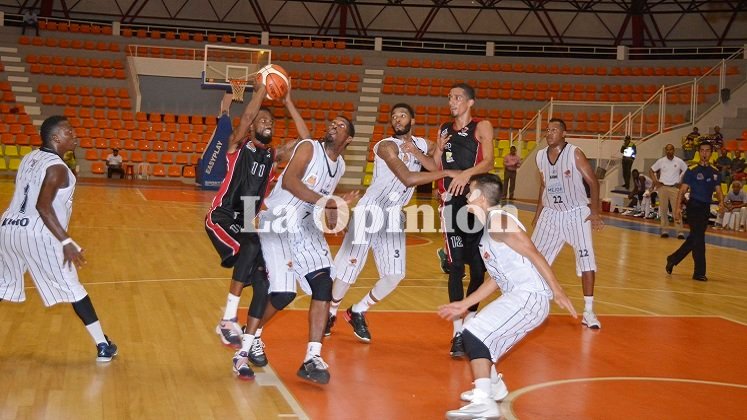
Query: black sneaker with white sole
column 457, row 346
column 314, row 370
column 257, row 353
column 358, row 321
column 330, row 323
column 105, row 352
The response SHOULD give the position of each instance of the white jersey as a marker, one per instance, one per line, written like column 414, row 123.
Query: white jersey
column 564, row 185
column 321, row 176
column 31, row 173
column 508, row 268
column 386, row 189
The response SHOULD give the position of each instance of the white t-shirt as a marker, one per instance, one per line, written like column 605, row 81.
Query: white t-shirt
column 671, row 171
column 112, row 160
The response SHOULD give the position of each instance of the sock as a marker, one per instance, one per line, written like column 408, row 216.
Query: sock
column 258, row 333
column 588, row 303
column 232, row 306
column 246, row 342
column 469, row 316
column 364, row 304
column 494, row 378
column 458, row 324
column 313, row 349
column 483, row 384
column 96, row 332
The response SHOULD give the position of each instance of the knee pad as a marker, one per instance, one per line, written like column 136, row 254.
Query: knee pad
column 280, row 300
column 320, row 282
column 475, row 348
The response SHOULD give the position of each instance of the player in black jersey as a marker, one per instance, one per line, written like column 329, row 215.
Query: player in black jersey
column 250, row 163
column 465, row 144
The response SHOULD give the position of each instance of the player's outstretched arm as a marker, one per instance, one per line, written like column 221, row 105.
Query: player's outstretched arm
column 292, row 178
column 484, row 134
column 284, row 151
column 513, row 236
column 55, row 178
column 587, row 173
column 388, row 151
column 247, row 117
column 455, row 310
column 426, row 159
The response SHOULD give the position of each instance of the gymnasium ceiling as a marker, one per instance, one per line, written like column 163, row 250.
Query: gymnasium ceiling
column 657, row 23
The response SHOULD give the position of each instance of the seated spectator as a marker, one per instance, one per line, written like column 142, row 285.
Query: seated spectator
column 690, row 144
column 71, row 163
column 717, row 139
column 641, row 196
column 733, row 215
column 114, row 164
column 738, row 167
column 30, row 19
column 723, row 164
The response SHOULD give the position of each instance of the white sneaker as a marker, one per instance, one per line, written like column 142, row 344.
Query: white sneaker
column 481, row 407
column 591, row 321
column 627, row 213
column 229, row 332
column 498, row 391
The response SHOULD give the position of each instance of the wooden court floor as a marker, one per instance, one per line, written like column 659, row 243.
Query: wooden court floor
column 670, row 347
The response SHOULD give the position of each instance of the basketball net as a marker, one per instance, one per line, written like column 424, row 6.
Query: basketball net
column 237, row 88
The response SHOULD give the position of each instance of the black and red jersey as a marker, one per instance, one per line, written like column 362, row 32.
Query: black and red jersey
column 462, row 151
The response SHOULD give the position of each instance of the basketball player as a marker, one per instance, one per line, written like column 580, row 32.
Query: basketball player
column 564, row 213
column 34, row 238
column 293, row 245
column 250, row 161
column 397, row 164
column 465, row 144
column 527, row 285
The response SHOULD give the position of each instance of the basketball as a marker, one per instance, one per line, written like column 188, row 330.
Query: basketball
column 275, row 79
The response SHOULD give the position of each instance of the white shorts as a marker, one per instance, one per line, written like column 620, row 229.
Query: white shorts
column 506, row 320
column 556, row 228
column 388, row 249
column 40, row 254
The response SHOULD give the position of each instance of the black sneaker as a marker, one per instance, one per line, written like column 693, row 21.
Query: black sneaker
column 700, row 277
column 664, row 235
column 457, row 346
column 680, row 236
column 443, row 260
column 257, row 353
column 241, row 366
column 330, row 323
column 106, row 351
column 314, row 370
column 669, row 267
column 358, row 321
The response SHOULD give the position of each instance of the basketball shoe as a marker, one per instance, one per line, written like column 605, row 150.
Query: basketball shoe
column 106, row 351
column 314, row 370
column 481, row 407
column 229, row 332
column 590, row 320
column 330, row 323
column 241, row 366
column 457, row 346
column 257, row 353
column 358, row 321
column 442, row 259
column 498, row 391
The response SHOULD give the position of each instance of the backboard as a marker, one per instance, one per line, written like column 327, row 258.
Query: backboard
column 223, row 63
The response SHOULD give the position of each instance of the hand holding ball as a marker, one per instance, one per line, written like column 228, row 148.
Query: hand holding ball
column 275, row 79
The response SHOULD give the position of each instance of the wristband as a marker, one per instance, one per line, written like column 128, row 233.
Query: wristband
column 67, row 241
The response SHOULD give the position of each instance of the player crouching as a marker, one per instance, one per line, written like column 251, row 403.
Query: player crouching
column 527, row 284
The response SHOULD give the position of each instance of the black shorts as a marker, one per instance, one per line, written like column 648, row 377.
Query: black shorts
column 237, row 249
column 462, row 236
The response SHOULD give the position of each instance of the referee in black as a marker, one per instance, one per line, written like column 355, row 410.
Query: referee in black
column 701, row 179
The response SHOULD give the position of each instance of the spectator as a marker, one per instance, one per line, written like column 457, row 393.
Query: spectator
column 628, row 156
column 734, row 214
column 30, row 19
column 511, row 163
column 737, row 167
column 114, row 164
column 723, row 164
column 69, row 159
column 690, row 143
column 667, row 184
column 717, row 139
column 640, row 197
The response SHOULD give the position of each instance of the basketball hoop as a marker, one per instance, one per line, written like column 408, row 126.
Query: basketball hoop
column 237, row 88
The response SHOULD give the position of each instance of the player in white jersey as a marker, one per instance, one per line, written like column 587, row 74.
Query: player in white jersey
column 378, row 219
column 33, row 233
column 564, row 213
column 291, row 238
column 527, row 285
